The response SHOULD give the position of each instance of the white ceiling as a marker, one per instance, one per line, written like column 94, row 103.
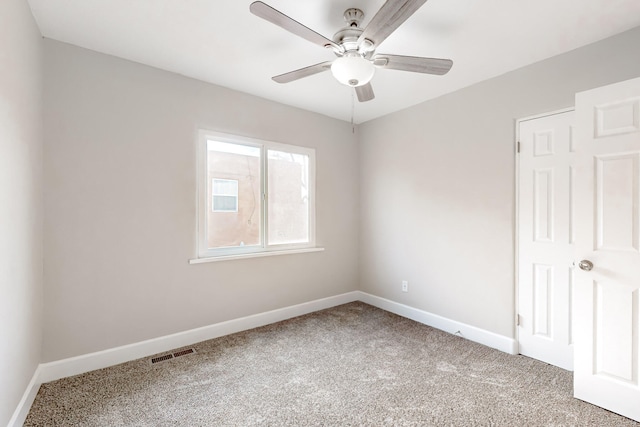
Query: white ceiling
column 221, row 42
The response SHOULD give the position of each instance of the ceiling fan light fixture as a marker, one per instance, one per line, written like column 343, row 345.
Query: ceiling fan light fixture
column 352, row 70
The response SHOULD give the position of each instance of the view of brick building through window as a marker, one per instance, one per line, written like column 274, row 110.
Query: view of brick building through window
column 287, row 201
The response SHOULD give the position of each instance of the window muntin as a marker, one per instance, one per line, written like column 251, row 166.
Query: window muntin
column 274, row 196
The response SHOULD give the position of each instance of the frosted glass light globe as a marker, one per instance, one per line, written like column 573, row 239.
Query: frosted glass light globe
column 352, row 70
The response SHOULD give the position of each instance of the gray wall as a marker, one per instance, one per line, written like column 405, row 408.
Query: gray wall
column 120, row 197
column 20, row 202
column 437, row 185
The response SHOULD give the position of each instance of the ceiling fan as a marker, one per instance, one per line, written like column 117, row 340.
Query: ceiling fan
column 355, row 47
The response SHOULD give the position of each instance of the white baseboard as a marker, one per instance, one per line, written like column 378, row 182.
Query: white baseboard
column 21, row 412
column 481, row 336
column 52, row 371
column 88, row 362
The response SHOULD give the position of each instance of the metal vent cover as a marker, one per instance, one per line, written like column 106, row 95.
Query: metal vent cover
column 173, row 355
column 162, row 358
column 184, row 352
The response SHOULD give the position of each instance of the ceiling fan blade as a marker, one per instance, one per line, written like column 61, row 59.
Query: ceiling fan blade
column 414, row 64
column 390, row 16
column 365, row 92
column 302, row 72
column 274, row 16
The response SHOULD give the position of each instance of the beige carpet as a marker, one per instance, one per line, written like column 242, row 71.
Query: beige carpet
column 346, row 366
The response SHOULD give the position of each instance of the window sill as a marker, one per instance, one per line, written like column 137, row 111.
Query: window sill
column 253, row 255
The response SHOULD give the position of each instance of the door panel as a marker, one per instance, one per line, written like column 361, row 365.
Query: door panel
column 614, row 355
column 545, row 237
column 607, row 194
column 543, row 205
column 617, row 202
column 542, row 302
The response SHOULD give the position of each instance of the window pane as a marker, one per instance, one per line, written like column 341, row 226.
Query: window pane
column 225, row 203
column 233, row 176
column 225, row 187
column 288, row 200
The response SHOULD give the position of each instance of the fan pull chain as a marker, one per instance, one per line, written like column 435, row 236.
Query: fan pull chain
column 353, row 109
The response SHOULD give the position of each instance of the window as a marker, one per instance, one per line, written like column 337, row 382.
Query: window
column 225, row 195
column 253, row 196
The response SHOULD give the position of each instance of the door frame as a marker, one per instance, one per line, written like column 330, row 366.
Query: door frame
column 516, row 222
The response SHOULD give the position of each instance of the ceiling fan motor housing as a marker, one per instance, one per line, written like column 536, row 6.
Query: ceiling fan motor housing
column 348, row 37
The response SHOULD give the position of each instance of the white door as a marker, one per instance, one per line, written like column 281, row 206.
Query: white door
column 607, row 298
column 545, row 238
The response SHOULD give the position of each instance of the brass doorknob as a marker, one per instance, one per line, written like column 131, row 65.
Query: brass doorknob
column 585, row 265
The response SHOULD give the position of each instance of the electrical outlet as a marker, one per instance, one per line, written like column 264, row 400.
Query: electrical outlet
column 405, row 286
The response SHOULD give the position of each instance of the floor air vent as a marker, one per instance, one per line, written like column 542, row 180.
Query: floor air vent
column 183, row 352
column 171, row 356
column 162, row 358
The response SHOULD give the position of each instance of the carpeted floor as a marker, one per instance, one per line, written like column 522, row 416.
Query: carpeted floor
column 346, row 366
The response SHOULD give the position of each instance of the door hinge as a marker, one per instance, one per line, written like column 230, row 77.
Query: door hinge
column 518, row 147
column 517, row 320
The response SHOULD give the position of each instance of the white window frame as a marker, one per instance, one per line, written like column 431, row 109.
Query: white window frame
column 213, row 195
column 205, row 254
